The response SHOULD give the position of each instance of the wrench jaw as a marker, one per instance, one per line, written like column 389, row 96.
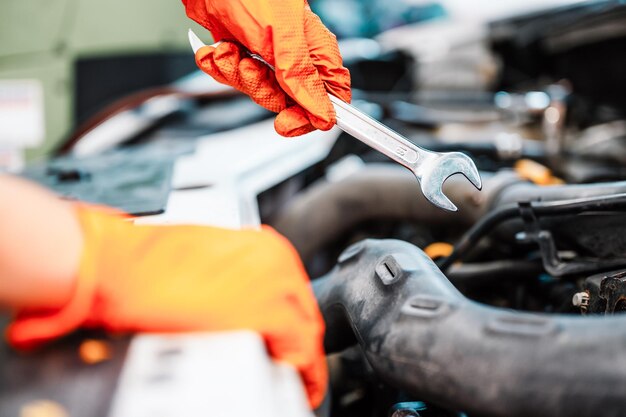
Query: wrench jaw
column 438, row 168
column 463, row 164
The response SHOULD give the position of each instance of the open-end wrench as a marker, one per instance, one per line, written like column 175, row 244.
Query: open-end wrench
column 430, row 168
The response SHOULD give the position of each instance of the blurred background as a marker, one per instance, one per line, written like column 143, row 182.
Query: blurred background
column 85, row 54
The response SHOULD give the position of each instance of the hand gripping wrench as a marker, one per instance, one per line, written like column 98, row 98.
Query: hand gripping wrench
column 430, row 168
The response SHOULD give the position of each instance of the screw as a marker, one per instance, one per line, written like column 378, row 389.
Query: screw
column 581, row 299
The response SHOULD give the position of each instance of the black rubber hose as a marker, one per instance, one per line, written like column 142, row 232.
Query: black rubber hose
column 421, row 335
column 477, row 232
column 552, row 208
column 328, row 210
column 485, row 273
column 526, row 191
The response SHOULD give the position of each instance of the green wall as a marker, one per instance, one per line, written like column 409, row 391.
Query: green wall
column 41, row 39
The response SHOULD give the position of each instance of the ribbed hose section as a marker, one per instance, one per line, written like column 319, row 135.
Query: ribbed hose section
column 423, row 336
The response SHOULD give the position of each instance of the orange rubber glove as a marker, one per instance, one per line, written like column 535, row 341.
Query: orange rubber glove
column 189, row 278
column 289, row 36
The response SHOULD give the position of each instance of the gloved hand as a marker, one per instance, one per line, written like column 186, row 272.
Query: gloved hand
column 189, row 278
column 289, row 36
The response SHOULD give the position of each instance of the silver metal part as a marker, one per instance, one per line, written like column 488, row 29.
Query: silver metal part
column 581, row 300
column 430, row 168
column 195, row 41
column 203, row 374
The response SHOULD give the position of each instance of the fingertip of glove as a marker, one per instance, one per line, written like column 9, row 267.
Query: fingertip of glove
column 322, row 115
column 220, row 62
column 324, row 125
column 316, row 381
column 204, row 52
column 317, row 398
column 292, row 133
column 227, row 50
column 341, row 89
column 223, row 51
column 292, row 122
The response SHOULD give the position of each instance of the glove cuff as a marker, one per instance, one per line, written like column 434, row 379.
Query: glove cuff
column 32, row 328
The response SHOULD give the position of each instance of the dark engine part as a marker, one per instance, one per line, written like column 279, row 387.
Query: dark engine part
column 573, row 211
column 135, row 180
column 604, row 293
column 365, row 72
column 588, row 220
column 329, row 210
column 582, row 43
column 526, row 191
column 96, row 88
column 55, row 374
column 422, row 335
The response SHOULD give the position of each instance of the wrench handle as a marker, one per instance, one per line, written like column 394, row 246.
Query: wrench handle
column 376, row 135
column 371, row 132
column 430, row 168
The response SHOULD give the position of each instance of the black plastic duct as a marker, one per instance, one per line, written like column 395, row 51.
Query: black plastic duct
column 422, row 335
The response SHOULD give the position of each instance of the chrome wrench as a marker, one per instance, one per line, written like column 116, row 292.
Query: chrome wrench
column 430, row 168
